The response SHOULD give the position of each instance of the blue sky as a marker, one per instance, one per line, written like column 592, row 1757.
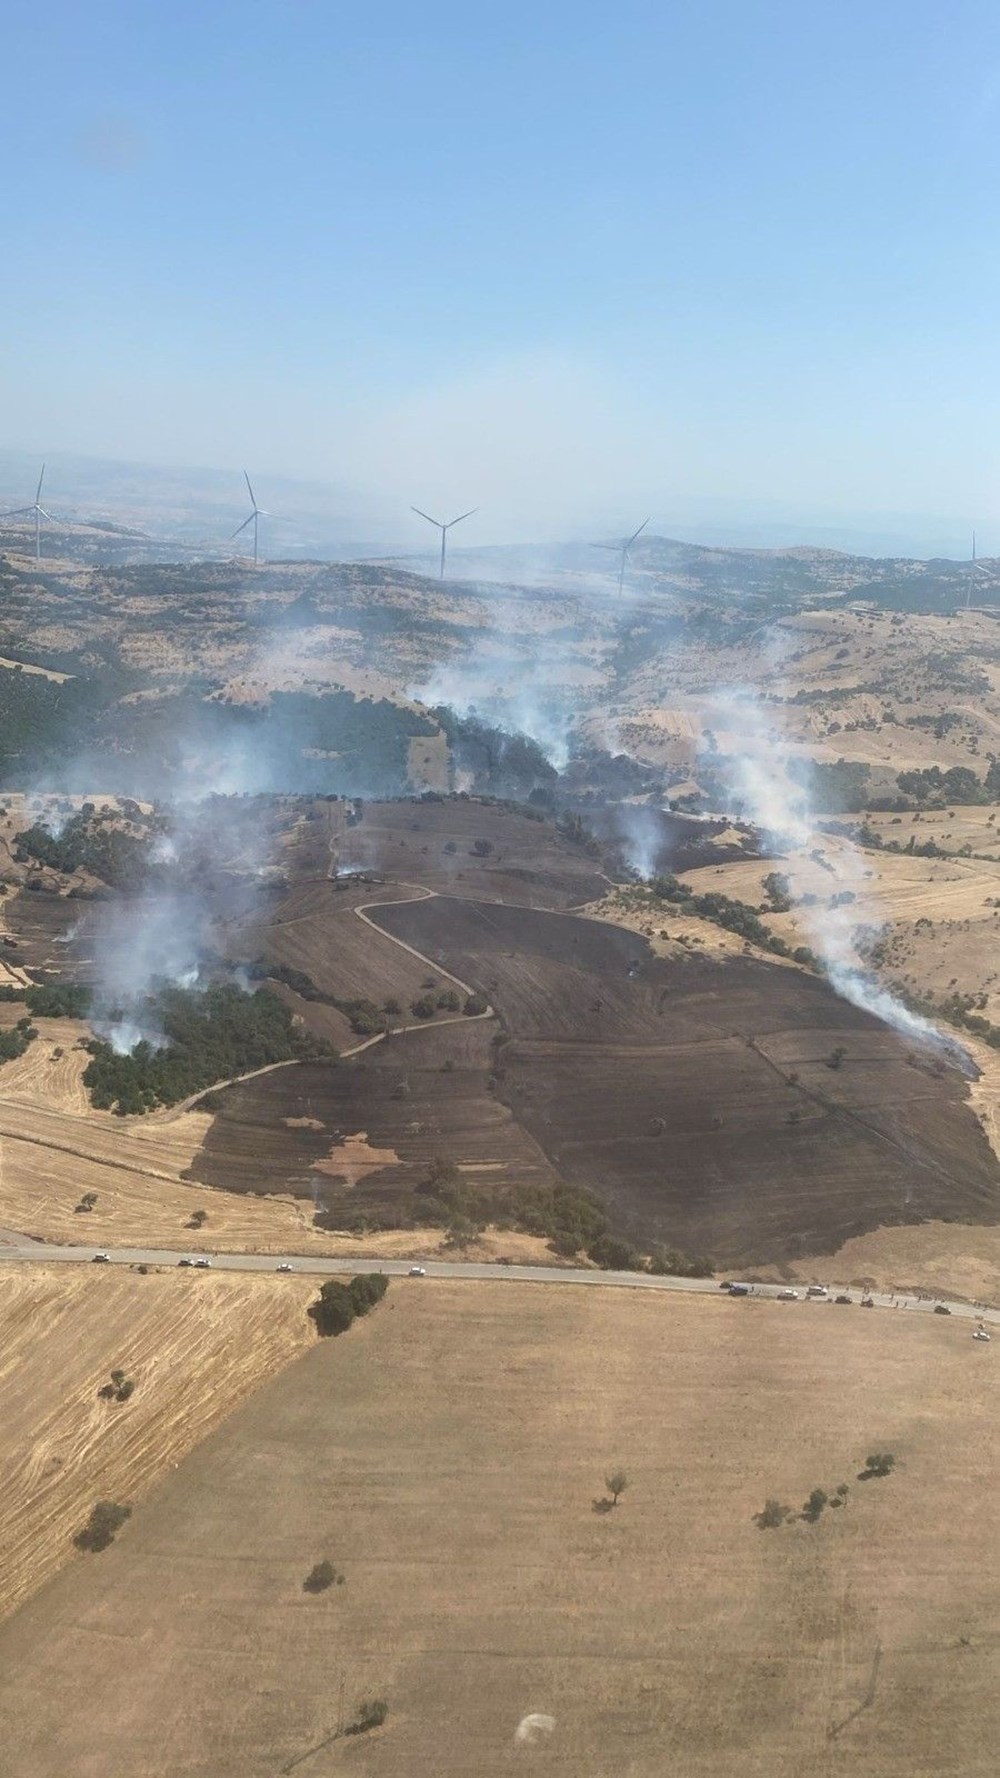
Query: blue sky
column 549, row 259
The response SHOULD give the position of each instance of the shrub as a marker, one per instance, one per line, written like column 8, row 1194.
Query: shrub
column 614, row 1254
column 448, row 1001
column 880, row 1463
column 106, row 1518
column 425, row 1007
column 321, row 1575
column 371, row 1715
column 475, row 1006
column 771, row 1515
column 339, row 1303
column 814, row 1505
column 482, row 848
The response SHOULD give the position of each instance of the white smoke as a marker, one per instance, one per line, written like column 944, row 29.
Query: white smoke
column 516, row 694
column 771, row 787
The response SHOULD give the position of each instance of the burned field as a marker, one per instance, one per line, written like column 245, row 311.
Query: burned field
column 707, row 1104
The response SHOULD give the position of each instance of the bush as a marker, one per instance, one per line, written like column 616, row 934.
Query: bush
column 771, row 1515
column 448, row 1001
column 613, row 1254
column 106, row 1518
column 425, row 1007
column 880, row 1463
column 475, row 1006
column 321, row 1575
column 814, row 1505
column 371, row 1715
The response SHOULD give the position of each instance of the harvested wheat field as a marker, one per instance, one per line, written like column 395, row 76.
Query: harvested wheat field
column 195, row 1347
column 446, row 1455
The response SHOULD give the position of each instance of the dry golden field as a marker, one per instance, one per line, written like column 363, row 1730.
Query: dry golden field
column 195, row 1347
column 445, row 1455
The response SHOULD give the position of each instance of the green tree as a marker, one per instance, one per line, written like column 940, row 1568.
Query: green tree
column 106, row 1518
column 616, row 1484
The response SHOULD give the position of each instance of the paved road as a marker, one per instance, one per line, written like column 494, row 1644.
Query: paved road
column 21, row 1249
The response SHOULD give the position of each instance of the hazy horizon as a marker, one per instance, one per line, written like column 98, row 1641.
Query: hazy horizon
column 554, row 265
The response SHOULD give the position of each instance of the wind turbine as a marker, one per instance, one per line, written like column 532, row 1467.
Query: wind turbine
column 39, row 511
column 972, row 574
column 444, row 528
column 257, row 512
column 625, row 545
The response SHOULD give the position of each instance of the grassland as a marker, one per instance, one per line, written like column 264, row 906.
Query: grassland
column 446, row 1455
column 195, row 1348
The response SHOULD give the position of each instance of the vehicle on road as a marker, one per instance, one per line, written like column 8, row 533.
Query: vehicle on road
column 418, row 1272
column 868, row 1302
column 842, row 1298
column 202, row 1263
column 739, row 1290
column 941, row 1309
column 788, row 1296
column 980, row 1334
column 817, row 1290
column 185, row 1262
column 101, row 1259
column 283, row 1267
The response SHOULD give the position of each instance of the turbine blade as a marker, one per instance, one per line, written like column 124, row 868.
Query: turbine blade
column 242, row 527
column 427, row 516
column 253, row 498
column 38, row 490
column 17, row 512
column 45, row 515
column 605, row 546
column 461, row 516
column 635, row 534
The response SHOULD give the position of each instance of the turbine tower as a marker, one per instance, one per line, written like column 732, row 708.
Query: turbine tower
column 39, row 511
column 625, row 545
column 444, row 528
column 972, row 574
column 257, row 512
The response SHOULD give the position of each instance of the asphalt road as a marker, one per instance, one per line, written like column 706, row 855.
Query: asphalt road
column 19, row 1250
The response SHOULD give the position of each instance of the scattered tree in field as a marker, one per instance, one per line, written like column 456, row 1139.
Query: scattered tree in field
column 814, row 1505
column 836, row 1057
column 424, row 1007
column 86, row 1204
column 879, row 1463
column 120, row 1388
column 322, row 1575
column 772, row 1514
column 448, row 1001
column 475, row 1006
column 198, row 1220
column 106, row 1518
column 482, row 848
column 616, row 1483
column 371, row 1715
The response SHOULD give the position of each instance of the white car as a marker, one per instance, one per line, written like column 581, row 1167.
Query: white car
column 817, row 1290
column 418, row 1272
column 284, row 1266
column 788, row 1296
column 980, row 1334
column 202, row 1264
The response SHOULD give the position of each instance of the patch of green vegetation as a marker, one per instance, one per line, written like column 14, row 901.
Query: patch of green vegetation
column 50, row 1000
column 208, row 1037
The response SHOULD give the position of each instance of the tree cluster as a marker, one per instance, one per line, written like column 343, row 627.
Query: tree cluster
column 208, row 1037
column 339, row 1304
